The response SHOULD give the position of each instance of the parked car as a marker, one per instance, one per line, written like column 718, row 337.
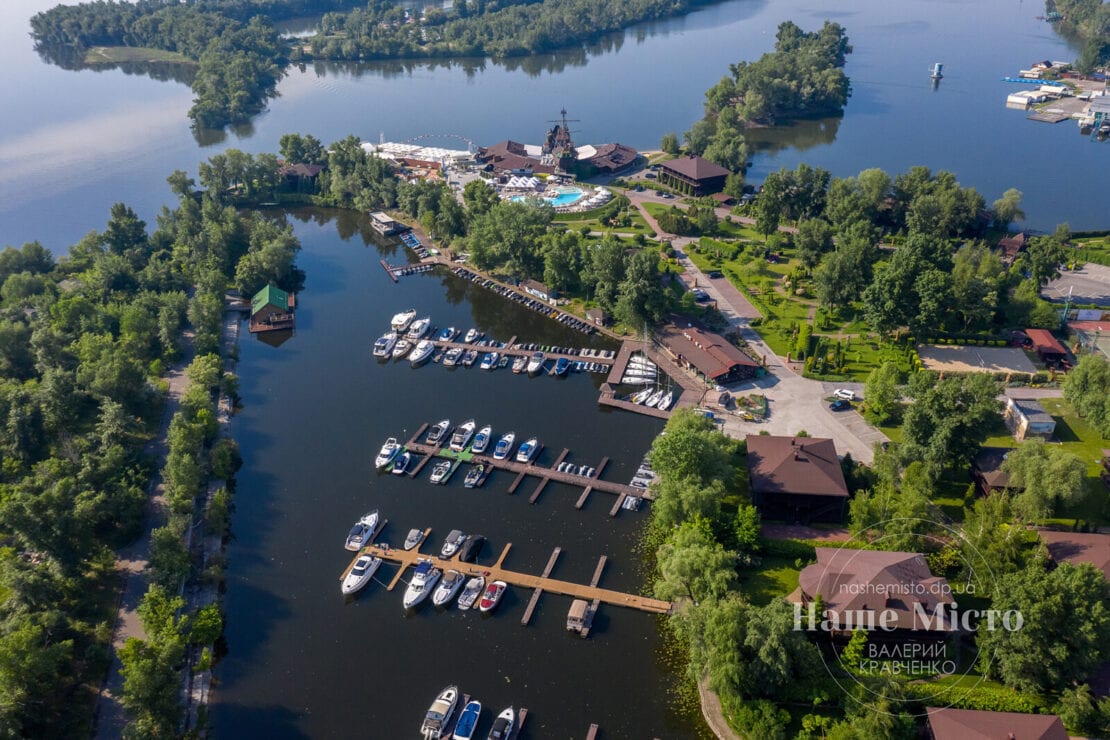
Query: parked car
column 700, row 295
column 714, row 274
column 840, row 405
column 845, row 394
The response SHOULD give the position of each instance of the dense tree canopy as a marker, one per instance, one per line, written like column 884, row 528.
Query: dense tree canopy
column 1087, row 389
column 948, row 419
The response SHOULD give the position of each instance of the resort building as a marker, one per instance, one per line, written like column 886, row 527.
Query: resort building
column 796, row 479
column 1027, row 418
column 946, row 723
column 385, row 224
column 693, row 175
column 607, row 159
column 1079, row 547
column 514, row 158
column 271, row 310
column 710, row 355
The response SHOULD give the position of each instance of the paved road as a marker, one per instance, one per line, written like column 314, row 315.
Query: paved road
column 1088, row 285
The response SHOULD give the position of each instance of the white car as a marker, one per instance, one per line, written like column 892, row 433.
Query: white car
column 845, row 394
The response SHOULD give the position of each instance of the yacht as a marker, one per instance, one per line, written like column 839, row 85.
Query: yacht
column 490, row 360
column 473, row 335
column 504, row 446
column 491, row 597
column 418, row 329
column 424, row 580
column 440, row 471
column 462, row 435
column 388, row 451
column 402, row 320
column 470, row 550
column 448, row 334
column 666, row 401
column 471, row 592
column 468, row 721
column 451, row 545
column 360, row 534
column 474, row 475
column 654, row 398
column 528, row 451
column 535, row 363
column 503, row 725
column 448, row 586
column 520, row 363
column 401, row 348
column 383, row 346
column 641, row 395
column 561, row 366
column 360, row 574
column 481, row 440
column 439, row 714
column 401, row 463
column 414, row 538
column 469, row 357
column 438, row 431
column 451, row 357
column 424, row 350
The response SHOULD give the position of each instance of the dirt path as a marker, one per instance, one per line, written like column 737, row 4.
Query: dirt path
column 713, row 713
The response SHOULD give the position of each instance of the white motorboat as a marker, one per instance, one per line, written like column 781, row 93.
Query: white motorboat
column 438, row 430
column 481, row 440
column 360, row 574
column 474, row 475
column 383, row 345
column 520, row 363
column 504, row 446
column 388, row 451
column 401, row 348
column 491, row 597
column 448, row 586
column 666, row 401
column 448, row 334
column 439, row 714
column 451, row 356
column 654, row 398
column 471, row 592
column 490, row 361
column 418, row 329
column 535, row 363
column 423, row 582
column 469, row 357
column 528, row 451
column 401, row 463
column 468, row 721
column 472, row 335
column 424, row 350
column 451, row 545
column 503, row 725
column 462, row 435
column 360, row 534
column 401, row 321
column 414, row 538
column 440, row 471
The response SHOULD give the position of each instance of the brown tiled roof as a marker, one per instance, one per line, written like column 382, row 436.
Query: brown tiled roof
column 301, row 170
column 1079, row 547
column 1043, row 341
column 799, row 465
column 613, row 157
column 724, row 198
column 875, row 580
column 710, row 353
column 695, row 168
column 1011, row 245
column 988, row 465
column 971, row 724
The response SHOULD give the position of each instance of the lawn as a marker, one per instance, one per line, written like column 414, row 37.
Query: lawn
column 1096, row 249
column 775, row 577
column 117, row 54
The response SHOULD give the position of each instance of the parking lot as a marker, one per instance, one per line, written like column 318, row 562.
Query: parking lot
column 1088, row 285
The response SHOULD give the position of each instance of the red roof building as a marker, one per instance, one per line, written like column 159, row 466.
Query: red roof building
column 971, row 724
column 796, row 478
column 693, row 175
column 1079, row 547
column 708, row 354
column 1047, row 347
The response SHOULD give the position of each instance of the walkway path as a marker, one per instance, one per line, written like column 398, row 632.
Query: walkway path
column 109, row 717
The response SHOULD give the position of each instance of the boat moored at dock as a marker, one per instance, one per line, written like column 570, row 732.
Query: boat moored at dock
column 452, row 356
column 441, row 470
column 401, row 463
column 503, row 726
column 468, row 721
column 401, row 348
column 520, row 363
column 438, row 431
column 504, row 446
column 455, row 539
column 414, row 538
column 472, row 335
column 424, row 350
column 447, row 335
column 439, row 714
column 360, row 534
column 401, row 321
column 474, row 475
column 481, row 440
column 462, row 435
column 491, row 597
column 528, row 451
column 383, row 345
column 561, row 366
column 418, row 329
column 424, row 579
column 388, row 451
column 472, row 548
column 535, row 364
column 360, row 574
column 448, row 587
column 471, row 592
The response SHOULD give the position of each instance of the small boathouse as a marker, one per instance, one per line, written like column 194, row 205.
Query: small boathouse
column 272, row 309
column 385, row 225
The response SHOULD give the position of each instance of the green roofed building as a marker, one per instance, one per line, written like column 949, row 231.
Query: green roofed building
column 272, row 309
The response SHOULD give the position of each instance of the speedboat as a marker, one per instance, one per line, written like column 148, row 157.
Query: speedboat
column 654, row 398
column 401, row 321
column 468, row 721
column 528, row 450
column 462, row 435
column 504, row 446
column 360, row 534
column 472, row 548
column 437, row 432
column 401, row 463
column 451, row 545
column 440, row 471
column 472, row 592
column 439, row 714
column 561, row 366
column 424, row 580
column 490, row 360
column 491, row 597
column 360, row 574
column 414, row 538
column 472, row 335
column 666, row 401
column 424, row 350
column 520, row 363
column 474, row 475
column 388, row 451
column 448, row 586
column 383, row 345
column 503, row 725
column 418, row 329
column 448, row 334
column 451, row 357
column 481, row 440
column 535, row 363
column 401, row 348
column 469, row 357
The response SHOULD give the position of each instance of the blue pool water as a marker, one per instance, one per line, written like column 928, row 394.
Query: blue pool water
column 562, row 197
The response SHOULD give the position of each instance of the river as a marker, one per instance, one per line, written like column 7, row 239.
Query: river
column 301, row 661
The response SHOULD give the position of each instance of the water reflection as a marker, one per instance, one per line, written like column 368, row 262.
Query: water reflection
column 800, row 135
column 73, row 60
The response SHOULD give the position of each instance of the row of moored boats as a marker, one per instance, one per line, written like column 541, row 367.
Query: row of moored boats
column 437, row 720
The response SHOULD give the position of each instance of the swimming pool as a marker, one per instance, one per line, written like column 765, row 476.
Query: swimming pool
column 557, row 197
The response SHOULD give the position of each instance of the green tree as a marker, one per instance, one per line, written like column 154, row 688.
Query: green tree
column 991, row 543
column 692, row 449
column 669, row 144
column 479, row 197
column 1087, row 389
column 693, row 565
column 1048, row 477
column 881, row 394
column 302, row 149
column 1007, row 209
column 812, row 241
column 949, row 419
column 1082, row 714
column 896, row 514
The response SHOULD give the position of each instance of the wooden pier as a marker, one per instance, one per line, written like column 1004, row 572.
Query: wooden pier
column 539, row 591
column 497, row 572
column 591, row 734
column 512, row 351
